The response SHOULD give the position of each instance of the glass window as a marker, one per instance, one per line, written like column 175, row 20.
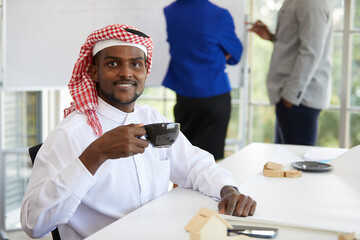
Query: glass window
column 260, row 67
column 158, row 104
column 266, row 11
column 263, row 122
column 329, row 120
column 338, row 15
column 262, row 115
column 261, row 50
column 153, row 92
column 337, row 69
column 354, row 129
column 169, row 110
column 233, row 127
column 161, row 98
column 355, row 73
column 328, row 134
column 230, row 149
column 17, row 171
column 356, row 13
column 21, row 119
column 21, row 116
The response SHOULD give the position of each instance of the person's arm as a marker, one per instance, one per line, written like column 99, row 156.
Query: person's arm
column 262, row 31
column 60, row 179
column 314, row 29
column 236, row 204
column 228, row 40
column 120, row 142
column 58, row 183
column 192, row 167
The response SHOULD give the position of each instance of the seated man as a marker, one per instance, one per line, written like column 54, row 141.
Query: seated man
column 94, row 168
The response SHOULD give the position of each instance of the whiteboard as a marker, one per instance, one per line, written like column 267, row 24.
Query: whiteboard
column 42, row 38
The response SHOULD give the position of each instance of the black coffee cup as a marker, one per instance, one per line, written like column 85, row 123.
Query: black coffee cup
column 162, row 135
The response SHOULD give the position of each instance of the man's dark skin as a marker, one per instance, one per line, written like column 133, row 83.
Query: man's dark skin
column 120, row 73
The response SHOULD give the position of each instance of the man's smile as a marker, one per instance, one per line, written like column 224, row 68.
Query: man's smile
column 125, row 84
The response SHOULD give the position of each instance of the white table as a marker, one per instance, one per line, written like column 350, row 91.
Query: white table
column 166, row 216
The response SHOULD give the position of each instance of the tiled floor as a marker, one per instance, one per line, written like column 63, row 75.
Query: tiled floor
column 20, row 235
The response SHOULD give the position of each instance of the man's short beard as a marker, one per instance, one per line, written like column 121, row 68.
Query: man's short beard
column 111, row 97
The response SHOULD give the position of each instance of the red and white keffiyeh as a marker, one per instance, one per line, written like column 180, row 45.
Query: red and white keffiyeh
column 81, row 86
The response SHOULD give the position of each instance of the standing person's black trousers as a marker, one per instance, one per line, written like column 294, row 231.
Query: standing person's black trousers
column 296, row 125
column 204, row 121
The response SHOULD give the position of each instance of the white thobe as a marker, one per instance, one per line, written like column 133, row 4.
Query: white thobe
column 62, row 193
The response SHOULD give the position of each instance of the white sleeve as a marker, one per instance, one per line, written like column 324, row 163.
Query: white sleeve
column 192, row 167
column 57, row 184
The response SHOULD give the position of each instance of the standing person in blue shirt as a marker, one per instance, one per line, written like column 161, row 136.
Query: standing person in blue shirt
column 202, row 41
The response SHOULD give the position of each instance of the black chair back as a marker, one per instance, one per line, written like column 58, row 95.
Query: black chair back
column 32, row 152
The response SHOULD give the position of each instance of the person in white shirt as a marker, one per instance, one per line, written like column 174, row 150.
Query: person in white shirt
column 94, row 168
